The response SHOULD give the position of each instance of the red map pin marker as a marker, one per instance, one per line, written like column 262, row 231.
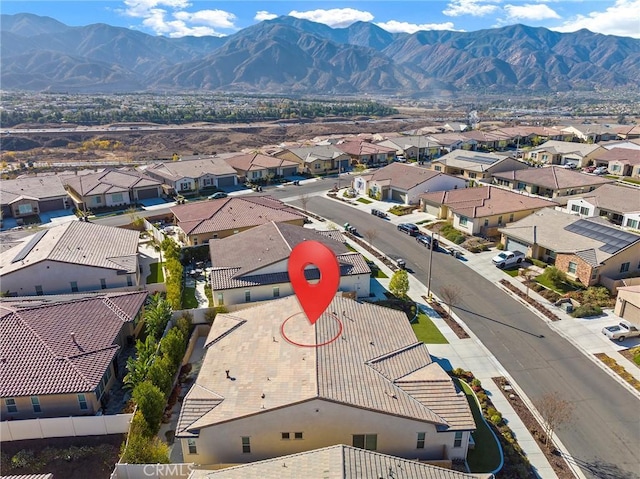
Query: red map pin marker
column 314, row 298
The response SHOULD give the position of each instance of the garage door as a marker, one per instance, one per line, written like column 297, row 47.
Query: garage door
column 398, row 196
column 51, row 205
column 513, row 245
column 290, row 171
column 147, row 193
column 631, row 313
column 226, row 181
column 433, row 210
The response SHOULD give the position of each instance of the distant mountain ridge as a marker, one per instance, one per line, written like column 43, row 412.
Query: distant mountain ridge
column 291, row 55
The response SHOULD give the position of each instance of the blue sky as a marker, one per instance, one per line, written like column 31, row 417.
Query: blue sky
column 176, row 18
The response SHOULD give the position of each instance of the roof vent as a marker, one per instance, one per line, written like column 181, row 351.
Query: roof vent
column 73, row 337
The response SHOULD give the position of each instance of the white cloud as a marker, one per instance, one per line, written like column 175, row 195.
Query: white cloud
column 475, row 8
column 394, row 26
column 213, row 18
column 620, row 19
column 264, row 15
column 336, row 17
column 529, row 12
column 144, row 8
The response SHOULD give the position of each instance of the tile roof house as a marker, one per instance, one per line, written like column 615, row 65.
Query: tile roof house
column 59, row 358
column 273, row 384
column 367, row 153
column 588, row 249
column 31, row 195
column 204, row 220
column 255, row 167
column 551, row 181
column 481, row 211
column 193, row 175
column 620, row 161
column 404, row 183
column 72, row 257
column 252, row 265
column 595, row 132
column 554, row 152
column 451, row 141
column 317, row 159
column 474, row 165
column 111, row 187
column 336, row 462
column 414, row 147
column 617, row 202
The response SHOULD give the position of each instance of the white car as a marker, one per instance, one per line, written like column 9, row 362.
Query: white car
column 621, row 331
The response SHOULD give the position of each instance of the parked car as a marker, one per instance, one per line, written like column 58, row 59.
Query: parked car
column 379, row 213
column 401, row 159
column 427, row 241
column 601, row 170
column 589, row 169
column 507, row 258
column 218, row 195
column 409, row 228
column 621, row 331
column 570, row 166
column 402, row 264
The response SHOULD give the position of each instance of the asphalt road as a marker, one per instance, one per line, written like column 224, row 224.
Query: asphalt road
column 603, row 438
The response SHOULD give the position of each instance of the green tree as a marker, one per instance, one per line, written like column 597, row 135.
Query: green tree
column 142, row 447
column 597, row 295
column 555, row 276
column 399, row 284
column 161, row 374
column 138, row 366
column 151, row 403
column 173, row 346
column 156, row 316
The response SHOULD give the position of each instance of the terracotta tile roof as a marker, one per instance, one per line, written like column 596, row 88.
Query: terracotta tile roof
column 176, row 170
column 341, row 371
column 403, row 176
column 359, row 148
column 611, row 197
column 553, row 177
column 76, row 242
column 469, row 160
column 485, row 201
column 624, row 155
column 40, row 356
column 317, row 152
column 110, row 181
column 36, row 187
column 565, row 147
column 336, row 462
column 258, row 161
column 232, row 213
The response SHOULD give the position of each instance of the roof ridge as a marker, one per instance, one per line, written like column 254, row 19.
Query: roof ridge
column 281, row 235
column 116, row 309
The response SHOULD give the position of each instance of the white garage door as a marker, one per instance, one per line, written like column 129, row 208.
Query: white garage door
column 513, row 245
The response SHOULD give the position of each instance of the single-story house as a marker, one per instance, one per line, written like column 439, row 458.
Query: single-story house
column 611, row 200
column 187, row 176
column 594, row 132
column 61, row 357
column 111, row 187
column 554, row 152
column 31, row 195
column 481, row 211
column 338, row 462
column 70, row 258
column 628, row 303
column 213, row 219
column 404, row 183
column 258, row 167
column 552, row 181
column 475, row 165
column 253, row 265
column 317, row 159
column 271, row 383
column 367, row 153
column 590, row 250
column 448, row 142
column 414, row 147
column 620, row 161
column 488, row 140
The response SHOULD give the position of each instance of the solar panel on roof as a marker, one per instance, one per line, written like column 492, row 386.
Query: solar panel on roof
column 478, row 159
column 614, row 239
column 29, row 246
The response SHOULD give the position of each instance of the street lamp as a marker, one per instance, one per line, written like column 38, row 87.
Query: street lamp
column 429, row 295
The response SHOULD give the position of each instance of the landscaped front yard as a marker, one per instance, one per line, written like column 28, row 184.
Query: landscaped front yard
column 426, row 331
column 156, row 276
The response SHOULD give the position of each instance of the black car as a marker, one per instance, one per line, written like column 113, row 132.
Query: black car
column 427, row 241
column 378, row 213
column 409, row 228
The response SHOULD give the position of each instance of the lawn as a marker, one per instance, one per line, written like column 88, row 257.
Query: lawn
column 156, row 276
column 364, row 200
column 561, row 288
column 485, row 457
column 189, row 300
column 426, row 331
column 379, row 274
column 629, row 180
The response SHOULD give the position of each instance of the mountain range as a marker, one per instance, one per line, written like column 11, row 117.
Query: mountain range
column 288, row 55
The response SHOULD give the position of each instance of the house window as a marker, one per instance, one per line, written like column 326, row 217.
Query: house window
column 184, row 186
column 35, row 403
column 472, row 175
column 632, row 223
column 276, row 291
column 316, row 166
column 195, row 241
column 366, row 441
column 11, row 405
column 103, row 383
column 297, row 435
column 437, row 168
column 499, row 220
column 420, row 442
column 486, row 222
column 191, row 443
column 25, row 209
column 82, row 401
column 286, row 435
column 457, row 441
column 575, row 208
column 572, row 268
column 502, row 182
column 521, row 186
column 74, row 286
column 584, row 211
column 116, row 197
column 220, row 299
column 463, row 221
column 511, row 218
column 247, row 296
column 246, row 444
column 103, row 283
column 129, row 280
column 39, row 291
column 624, row 267
column 98, row 200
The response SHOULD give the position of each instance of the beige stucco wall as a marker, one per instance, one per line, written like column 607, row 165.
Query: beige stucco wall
column 199, row 239
column 611, row 267
column 52, row 406
column 322, row 424
column 628, row 305
column 476, row 225
column 55, row 278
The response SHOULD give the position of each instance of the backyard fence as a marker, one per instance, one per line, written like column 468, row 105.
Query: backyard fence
column 152, row 471
column 22, row 429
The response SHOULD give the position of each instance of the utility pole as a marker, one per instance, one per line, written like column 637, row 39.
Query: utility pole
column 429, row 295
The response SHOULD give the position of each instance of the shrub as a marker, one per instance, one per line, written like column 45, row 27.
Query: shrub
column 173, row 346
column 161, row 374
column 496, row 419
column 151, row 402
column 142, row 447
column 476, row 383
column 586, row 310
column 597, row 295
column 549, row 295
column 185, row 323
column 500, row 246
column 555, row 276
column 23, row 458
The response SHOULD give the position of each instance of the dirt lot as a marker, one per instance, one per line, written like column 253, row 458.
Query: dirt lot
column 68, row 458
